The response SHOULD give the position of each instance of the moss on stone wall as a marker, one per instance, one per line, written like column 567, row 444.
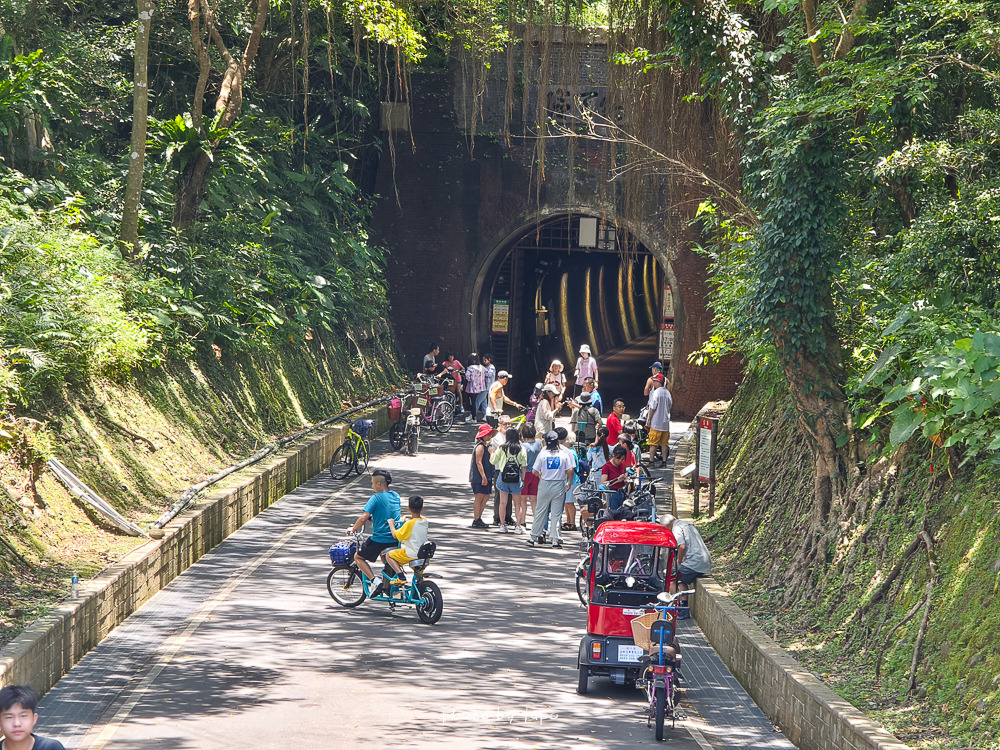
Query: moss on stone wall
column 766, row 486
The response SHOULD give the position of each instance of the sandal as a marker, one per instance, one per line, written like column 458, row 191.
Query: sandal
column 565, row 527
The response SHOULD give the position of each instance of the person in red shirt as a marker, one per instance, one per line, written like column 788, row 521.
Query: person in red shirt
column 613, row 476
column 614, row 423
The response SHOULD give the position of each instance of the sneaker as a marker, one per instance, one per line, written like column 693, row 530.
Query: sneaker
column 478, row 524
column 557, row 544
column 503, row 529
column 519, row 529
column 397, row 581
column 377, row 591
column 531, row 541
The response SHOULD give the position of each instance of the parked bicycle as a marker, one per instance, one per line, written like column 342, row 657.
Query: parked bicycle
column 349, row 586
column 438, row 410
column 659, row 680
column 353, row 453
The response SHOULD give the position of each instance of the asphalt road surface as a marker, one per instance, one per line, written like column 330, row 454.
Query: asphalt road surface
column 247, row 650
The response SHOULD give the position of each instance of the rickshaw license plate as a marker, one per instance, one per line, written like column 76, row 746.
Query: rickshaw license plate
column 629, row 653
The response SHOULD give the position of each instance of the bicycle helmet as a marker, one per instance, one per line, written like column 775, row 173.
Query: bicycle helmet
column 384, row 473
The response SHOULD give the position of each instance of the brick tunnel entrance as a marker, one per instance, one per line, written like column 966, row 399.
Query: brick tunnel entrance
column 570, row 280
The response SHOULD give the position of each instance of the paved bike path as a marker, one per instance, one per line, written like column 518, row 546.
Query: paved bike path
column 246, row 649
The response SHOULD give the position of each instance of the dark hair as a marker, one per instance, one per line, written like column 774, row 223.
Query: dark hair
column 449, row 354
column 486, row 356
column 527, row 431
column 620, row 451
column 589, row 379
column 433, row 346
column 384, row 473
column 18, row 695
column 602, row 441
column 416, row 503
column 473, row 359
column 513, row 439
column 562, row 432
column 618, row 401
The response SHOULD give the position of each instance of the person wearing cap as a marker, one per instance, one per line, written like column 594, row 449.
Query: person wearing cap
column 548, row 407
column 658, row 420
column 381, row 506
column 585, row 419
column 497, row 398
column 657, row 369
column 554, row 469
column 556, row 377
column 693, row 557
column 586, row 366
column 481, row 473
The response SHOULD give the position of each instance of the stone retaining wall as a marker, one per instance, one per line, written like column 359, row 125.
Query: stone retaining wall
column 47, row 649
column 809, row 713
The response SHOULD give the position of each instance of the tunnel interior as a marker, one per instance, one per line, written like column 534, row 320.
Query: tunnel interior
column 566, row 281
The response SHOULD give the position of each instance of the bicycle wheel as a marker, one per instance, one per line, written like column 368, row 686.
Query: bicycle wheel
column 344, row 585
column 659, row 707
column 429, row 610
column 342, row 461
column 361, row 452
column 396, row 436
column 443, row 416
column 412, row 441
column 581, row 583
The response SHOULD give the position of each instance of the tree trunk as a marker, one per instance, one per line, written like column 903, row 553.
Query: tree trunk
column 129, row 236
column 190, row 191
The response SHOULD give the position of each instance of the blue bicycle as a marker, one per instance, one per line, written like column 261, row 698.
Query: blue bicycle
column 349, row 586
column 662, row 662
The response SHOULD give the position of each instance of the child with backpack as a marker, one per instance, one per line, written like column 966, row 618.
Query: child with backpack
column 511, row 459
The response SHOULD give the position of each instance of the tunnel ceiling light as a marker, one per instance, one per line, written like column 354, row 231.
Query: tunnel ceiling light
column 588, row 231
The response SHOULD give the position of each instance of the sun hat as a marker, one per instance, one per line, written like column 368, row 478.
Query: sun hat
column 554, row 363
column 484, row 430
column 585, row 398
column 503, row 374
column 584, row 349
column 657, row 365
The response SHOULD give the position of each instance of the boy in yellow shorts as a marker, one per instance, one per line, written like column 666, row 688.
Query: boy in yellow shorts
column 412, row 534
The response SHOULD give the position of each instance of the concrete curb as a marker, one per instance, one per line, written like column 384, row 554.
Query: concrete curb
column 810, row 714
column 49, row 648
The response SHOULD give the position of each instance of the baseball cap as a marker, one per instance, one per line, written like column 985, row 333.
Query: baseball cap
column 657, row 365
column 484, row 430
column 503, row 374
column 550, row 388
column 551, row 437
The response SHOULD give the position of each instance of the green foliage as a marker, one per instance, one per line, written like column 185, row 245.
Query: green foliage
column 28, row 85
column 63, row 306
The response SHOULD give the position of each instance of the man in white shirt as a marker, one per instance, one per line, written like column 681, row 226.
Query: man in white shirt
column 658, row 421
column 693, row 557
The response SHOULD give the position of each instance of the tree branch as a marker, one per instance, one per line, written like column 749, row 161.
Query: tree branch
column 815, row 46
column 847, row 35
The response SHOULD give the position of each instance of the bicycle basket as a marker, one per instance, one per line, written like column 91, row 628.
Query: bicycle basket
column 342, row 553
column 363, row 426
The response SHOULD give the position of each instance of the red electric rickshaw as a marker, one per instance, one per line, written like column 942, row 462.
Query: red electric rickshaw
column 630, row 563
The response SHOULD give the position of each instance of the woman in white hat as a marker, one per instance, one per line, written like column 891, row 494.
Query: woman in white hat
column 556, row 377
column 586, row 367
column 548, row 407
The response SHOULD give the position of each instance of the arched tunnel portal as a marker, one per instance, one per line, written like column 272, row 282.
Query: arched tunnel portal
column 567, row 280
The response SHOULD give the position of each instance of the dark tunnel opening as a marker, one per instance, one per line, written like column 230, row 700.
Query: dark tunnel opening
column 567, row 281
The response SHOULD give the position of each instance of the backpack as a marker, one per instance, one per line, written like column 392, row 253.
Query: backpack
column 511, row 472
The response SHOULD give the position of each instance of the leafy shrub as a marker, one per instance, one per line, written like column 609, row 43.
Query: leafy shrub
column 63, row 304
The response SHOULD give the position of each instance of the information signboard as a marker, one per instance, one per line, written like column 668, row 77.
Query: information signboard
column 668, row 302
column 666, row 341
column 501, row 315
column 706, row 452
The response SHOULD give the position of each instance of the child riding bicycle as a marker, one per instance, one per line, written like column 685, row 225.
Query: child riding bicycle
column 412, row 534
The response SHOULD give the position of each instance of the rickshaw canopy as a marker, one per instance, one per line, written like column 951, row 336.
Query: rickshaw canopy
column 634, row 532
